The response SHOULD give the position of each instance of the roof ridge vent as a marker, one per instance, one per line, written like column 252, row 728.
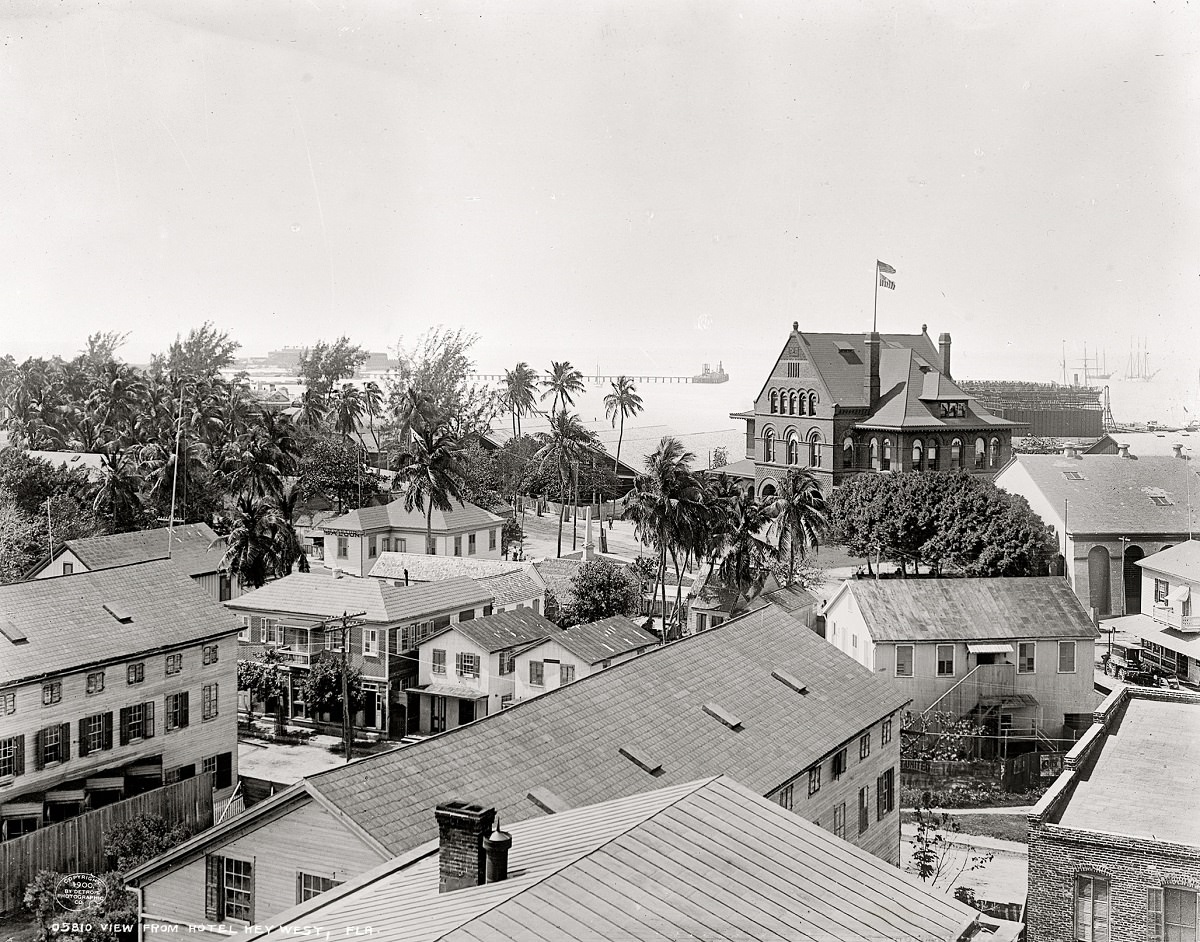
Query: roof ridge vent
column 119, row 612
column 641, row 759
column 12, row 632
column 788, row 680
column 547, row 800
column 722, row 716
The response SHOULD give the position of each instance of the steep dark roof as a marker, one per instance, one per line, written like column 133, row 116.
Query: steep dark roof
column 840, row 359
column 704, row 860
column 570, row 740
column 1112, row 494
column 506, row 629
column 319, row 595
column 970, row 609
column 393, row 516
column 600, row 640
column 68, row 627
column 192, row 548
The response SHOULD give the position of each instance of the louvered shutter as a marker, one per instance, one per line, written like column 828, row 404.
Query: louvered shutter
column 148, row 719
column 183, row 709
column 39, row 752
column 879, row 798
column 214, row 886
column 19, row 756
column 1154, row 914
column 83, row 737
column 124, row 726
column 108, row 730
column 256, row 629
column 64, row 742
column 458, row 664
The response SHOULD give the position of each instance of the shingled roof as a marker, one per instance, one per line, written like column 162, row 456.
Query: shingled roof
column 506, row 629
column 574, row 741
column 969, row 609
column 607, row 638
column 393, row 516
column 324, row 596
column 1111, row 494
column 421, row 567
column 707, row 859
column 192, row 548
column 72, row 622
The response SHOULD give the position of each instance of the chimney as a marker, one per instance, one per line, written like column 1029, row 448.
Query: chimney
column 871, row 372
column 944, row 347
column 406, row 577
column 462, row 828
column 1177, row 450
column 1070, row 450
column 496, row 847
column 1123, row 449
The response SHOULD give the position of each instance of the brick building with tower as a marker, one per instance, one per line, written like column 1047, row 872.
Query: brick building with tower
column 841, row 404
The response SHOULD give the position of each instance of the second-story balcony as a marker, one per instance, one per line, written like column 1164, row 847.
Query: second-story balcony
column 1172, row 616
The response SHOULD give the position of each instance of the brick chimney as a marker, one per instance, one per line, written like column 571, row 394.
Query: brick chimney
column 462, row 828
column 944, row 347
column 871, row 370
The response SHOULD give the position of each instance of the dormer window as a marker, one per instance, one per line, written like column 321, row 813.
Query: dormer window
column 1160, row 500
column 953, row 410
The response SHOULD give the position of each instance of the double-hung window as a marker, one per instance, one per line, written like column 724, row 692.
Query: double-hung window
column 945, row 660
column 309, row 885
column 1091, row 909
column 491, row 539
column 904, row 660
column 372, row 547
column 508, row 661
column 839, row 764
column 537, row 674
column 208, row 701
column 54, row 744
column 51, row 692
column 439, row 661
column 458, row 546
column 786, row 796
column 1066, row 657
column 839, row 820
column 1027, row 657
column 177, row 711
column 210, row 654
column 228, row 889
column 814, row 780
column 885, row 733
column 1162, row 588
column 468, row 664
column 864, row 746
column 175, row 663
column 1171, row 914
column 12, row 757
column 864, row 809
column 95, row 733
column 343, row 547
column 370, row 642
column 566, row 674
column 137, row 722
column 471, row 544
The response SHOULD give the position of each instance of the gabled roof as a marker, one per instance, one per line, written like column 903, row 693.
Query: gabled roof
column 703, row 860
column 192, row 548
column 557, row 575
column 600, row 640
column 1111, row 494
column 575, row 742
column 1182, row 560
column 322, row 596
column 393, row 516
column 1148, row 444
column 504, row 630
column 512, row 588
column 150, row 606
column 969, row 609
column 425, row 568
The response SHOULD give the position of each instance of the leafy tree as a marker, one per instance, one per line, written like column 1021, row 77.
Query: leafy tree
column 203, row 354
column 28, row 481
column 621, row 403
column 600, row 589
column 264, row 679
column 510, row 533
column 118, row 908
column 515, row 467
column 720, row 456
column 439, row 364
column 138, row 839
column 477, row 470
column 324, row 365
column 338, row 472
column 25, row 538
column 933, row 854
column 1034, row 445
column 322, row 685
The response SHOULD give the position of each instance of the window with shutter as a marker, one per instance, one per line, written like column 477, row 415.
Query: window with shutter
column 64, row 739
column 108, row 725
column 83, row 737
column 1154, row 914
column 125, row 714
column 214, row 871
column 148, row 719
column 864, row 809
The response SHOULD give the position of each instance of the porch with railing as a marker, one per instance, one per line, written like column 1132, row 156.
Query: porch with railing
column 1173, row 617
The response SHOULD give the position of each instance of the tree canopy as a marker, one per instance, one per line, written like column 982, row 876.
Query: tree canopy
column 600, row 589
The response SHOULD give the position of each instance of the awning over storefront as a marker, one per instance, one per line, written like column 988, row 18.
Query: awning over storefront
column 989, row 648
column 449, row 690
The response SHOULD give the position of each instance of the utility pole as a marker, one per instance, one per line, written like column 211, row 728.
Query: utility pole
column 49, row 528
column 344, row 628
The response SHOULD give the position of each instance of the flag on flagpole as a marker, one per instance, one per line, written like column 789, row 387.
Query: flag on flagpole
column 884, row 267
column 886, row 282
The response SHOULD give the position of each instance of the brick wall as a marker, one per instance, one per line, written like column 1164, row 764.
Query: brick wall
column 461, row 829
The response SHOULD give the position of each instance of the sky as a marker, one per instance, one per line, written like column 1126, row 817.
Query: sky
column 642, row 185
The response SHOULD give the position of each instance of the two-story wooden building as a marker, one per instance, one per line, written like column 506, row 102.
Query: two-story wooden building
column 466, row 670
column 841, row 404
column 566, row 656
column 353, row 541
column 301, row 616
column 758, row 699
column 1013, row 654
column 112, row 682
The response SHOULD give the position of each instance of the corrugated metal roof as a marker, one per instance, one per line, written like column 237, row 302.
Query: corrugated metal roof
column 568, row 740
column 192, row 548
column 1114, row 496
column 393, row 516
column 67, row 625
column 318, row 595
column 970, row 609
column 700, row 860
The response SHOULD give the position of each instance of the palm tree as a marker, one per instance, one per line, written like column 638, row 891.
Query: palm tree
column 250, row 550
column 623, row 401
column 801, row 516
column 666, row 508
column 312, row 409
column 520, row 385
column 115, row 495
column 746, row 561
column 281, row 431
column 348, row 408
column 372, row 400
column 251, row 465
column 288, row 550
column 564, row 446
column 562, row 380
column 430, row 472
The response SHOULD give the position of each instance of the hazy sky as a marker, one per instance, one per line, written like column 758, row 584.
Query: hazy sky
column 644, row 184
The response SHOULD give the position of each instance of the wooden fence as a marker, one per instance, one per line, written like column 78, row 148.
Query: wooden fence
column 77, row 844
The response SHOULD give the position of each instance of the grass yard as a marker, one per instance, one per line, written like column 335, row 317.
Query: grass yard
column 1002, row 827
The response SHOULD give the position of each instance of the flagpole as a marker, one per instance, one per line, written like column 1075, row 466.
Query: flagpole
column 875, row 313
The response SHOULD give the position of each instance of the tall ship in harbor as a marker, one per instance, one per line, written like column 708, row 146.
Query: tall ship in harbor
column 1137, row 369
column 708, row 375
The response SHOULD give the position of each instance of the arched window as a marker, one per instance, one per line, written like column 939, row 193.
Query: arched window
column 980, row 452
column 814, row 449
column 887, row 454
column 994, row 453
column 956, row 457
column 774, row 402
column 847, row 452
column 793, row 450
column 874, row 454
column 917, row 454
column 799, row 399
column 769, row 445
column 931, row 454
column 768, row 489
column 812, row 403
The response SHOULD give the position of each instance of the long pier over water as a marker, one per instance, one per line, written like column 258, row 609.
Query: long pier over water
column 599, row 380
